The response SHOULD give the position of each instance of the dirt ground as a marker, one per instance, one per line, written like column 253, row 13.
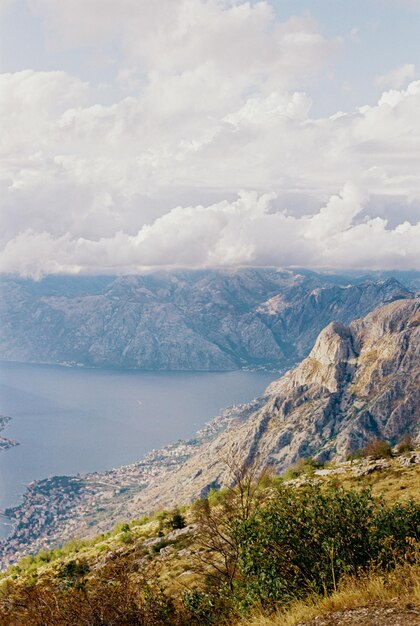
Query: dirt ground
column 369, row 616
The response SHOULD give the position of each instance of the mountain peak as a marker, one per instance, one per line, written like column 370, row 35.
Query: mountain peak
column 334, row 344
column 359, row 381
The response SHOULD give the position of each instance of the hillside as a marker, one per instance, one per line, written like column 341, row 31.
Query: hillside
column 360, row 381
column 204, row 320
column 174, row 567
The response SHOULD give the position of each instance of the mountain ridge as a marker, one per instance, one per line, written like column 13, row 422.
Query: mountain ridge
column 359, row 381
column 208, row 321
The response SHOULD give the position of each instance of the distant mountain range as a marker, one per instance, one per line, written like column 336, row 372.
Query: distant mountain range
column 204, row 320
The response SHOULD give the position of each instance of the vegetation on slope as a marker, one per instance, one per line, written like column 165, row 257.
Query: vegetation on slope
column 262, row 548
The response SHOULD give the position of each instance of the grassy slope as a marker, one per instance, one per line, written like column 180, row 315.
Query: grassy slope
column 172, row 552
column 399, row 590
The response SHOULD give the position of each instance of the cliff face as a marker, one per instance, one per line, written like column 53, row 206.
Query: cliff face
column 359, row 381
column 181, row 321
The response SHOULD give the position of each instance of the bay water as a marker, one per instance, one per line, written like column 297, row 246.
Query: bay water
column 71, row 420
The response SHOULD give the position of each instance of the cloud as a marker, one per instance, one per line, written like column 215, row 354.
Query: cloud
column 29, row 102
column 73, row 176
column 211, row 100
column 243, row 232
column 237, row 40
column 5, row 5
column 397, row 77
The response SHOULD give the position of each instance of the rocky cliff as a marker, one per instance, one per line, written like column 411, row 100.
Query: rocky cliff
column 359, row 381
column 181, row 321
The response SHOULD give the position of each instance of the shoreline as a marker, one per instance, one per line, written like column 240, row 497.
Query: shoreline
column 5, row 442
column 58, row 508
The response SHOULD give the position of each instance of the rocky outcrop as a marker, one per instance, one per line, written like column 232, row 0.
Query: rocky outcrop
column 181, row 321
column 6, row 443
column 359, row 381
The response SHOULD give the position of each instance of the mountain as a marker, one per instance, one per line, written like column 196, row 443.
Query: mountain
column 205, row 320
column 360, row 381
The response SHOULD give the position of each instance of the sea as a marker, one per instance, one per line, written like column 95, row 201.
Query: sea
column 71, row 420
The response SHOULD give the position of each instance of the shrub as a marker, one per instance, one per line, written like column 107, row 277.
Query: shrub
column 305, row 540
column 73, row 572
column 356, row 455
column 216, row 518
column 306, row 466
column 203, row 607
column 126, row 537
column 405, row 444
column 177, row 521
column 378, row 449
column 115, row 595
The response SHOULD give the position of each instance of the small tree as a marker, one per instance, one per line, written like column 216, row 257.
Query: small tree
column 378, row 449
column 218, row 553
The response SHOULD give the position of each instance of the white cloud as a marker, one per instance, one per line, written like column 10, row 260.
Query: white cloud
column 214, row 102
column 397, row 77
column 239, row 40
column 29, row 103
column 243, row 232
column 74, row 176
column 5, row 5
column 338, row 214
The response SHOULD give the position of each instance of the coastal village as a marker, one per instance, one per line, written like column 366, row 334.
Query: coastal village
column 59, row 508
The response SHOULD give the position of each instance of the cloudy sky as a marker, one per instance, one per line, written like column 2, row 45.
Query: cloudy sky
column 209, row 133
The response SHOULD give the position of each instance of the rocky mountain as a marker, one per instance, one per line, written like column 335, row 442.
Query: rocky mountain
column 360, row 380
column 204, row 320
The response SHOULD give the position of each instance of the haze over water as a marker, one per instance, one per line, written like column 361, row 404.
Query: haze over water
column 71, row 420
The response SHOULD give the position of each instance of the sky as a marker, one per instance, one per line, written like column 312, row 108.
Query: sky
column 139, row 135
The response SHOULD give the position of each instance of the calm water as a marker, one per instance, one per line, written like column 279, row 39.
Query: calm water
column 70, row 420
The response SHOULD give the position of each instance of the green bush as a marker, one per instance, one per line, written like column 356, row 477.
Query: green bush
column 305, row 466
column 126, row 537
column 201, row 607
column 305, row 540
column 73, row 572
column 177, row 520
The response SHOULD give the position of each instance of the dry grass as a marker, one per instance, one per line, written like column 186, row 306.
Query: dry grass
column 397, row 484
column 399, row 588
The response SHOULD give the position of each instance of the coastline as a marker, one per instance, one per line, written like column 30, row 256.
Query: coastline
column 59, row 508
column 5, row 442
